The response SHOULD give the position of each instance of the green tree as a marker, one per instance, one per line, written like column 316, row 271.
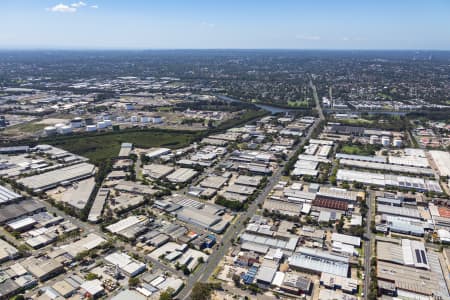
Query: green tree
column 201, row 291
column 91, row 276
column 166, row 295
column 133, row 281
column 237, row 280
column 185, row 270
column 340, row 225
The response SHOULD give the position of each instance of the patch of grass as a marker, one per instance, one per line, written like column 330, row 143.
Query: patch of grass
column 298, row 103
column 356, row 121
column 385, row 96
column 102, row 146
column 164, row 108
column 361, row 250
column 241, row 118
column 356, row 150
column 29, row 127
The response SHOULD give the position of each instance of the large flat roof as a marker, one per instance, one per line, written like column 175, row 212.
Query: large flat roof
column 215, row 182
column 320, row 261
column 409, row 253
column 41, row 268
column 387, row 167
column 378, row 179
column 248, row 180
column 346, row 239
column 125, row 223
column 198, row 216
column 78, row 194
column 378, row 159
column 325, row 294
column 181, row 175
column 398, row 211
column 442, row 161
column 7, row 250
column 56, row 177
column 413, row 161
column 97, row 207
column 274, row 242
column 129, row 294
column 89, row 242
column 15, row 210
column 338, row 193
column 406, row 278
column 157, row 170
column 6, row 195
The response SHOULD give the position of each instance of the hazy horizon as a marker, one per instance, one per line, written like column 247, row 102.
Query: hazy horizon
column 216, row 49
column 233, row 24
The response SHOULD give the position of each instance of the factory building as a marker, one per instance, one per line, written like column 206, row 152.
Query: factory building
column 126, row 264
column 318, row 261
column 63, row 176
column 407, row 269
column 6, row 195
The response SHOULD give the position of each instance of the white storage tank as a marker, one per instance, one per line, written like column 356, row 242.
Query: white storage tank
column 101, row 125
column 397, row 142
column 250, row 128
column 374, row 139
column 76, row 123
column 59, row 125
column 385, row 141
column 91, row 128
column 134, row 119
column 157, row 120
column 65, row 129
column 50, row 130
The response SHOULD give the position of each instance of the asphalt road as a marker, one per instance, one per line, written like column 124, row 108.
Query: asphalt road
column 316, row 100
column 368, row 246
column 206, row 270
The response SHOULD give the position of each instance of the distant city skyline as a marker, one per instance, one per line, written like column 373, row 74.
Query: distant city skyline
column 231, row 24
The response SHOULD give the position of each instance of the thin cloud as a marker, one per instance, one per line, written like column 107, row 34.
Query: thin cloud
column 209, row 25
column 78, row 4
column 308, row 37
column 95, row 6
column 62, row 8
column 357, row 39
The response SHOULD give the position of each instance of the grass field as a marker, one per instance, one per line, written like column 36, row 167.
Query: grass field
column 356, row 121
column 99, row 147
column 356, row 150
column 300, row 103
column 102, row 146
column 28, row 127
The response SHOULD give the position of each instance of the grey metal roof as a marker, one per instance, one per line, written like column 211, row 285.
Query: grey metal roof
column 320, row 261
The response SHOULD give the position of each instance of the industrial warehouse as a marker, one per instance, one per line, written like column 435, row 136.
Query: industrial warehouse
column 292, row 205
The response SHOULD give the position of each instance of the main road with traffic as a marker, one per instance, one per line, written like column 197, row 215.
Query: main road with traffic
column 207, row 269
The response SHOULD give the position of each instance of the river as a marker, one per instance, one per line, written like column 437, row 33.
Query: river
column 270, row 108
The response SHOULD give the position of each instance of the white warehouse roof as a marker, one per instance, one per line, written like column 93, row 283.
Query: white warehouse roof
column 7, row 195
column 346, row 239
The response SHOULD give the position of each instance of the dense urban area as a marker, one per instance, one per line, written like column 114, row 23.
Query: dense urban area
column 210, row 174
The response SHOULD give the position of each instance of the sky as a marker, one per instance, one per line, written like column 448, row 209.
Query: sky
column 225, row 24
